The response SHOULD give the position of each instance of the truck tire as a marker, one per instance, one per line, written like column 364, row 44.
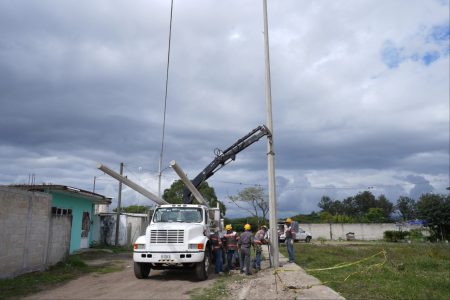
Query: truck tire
column 308, row 239
column 141, row 270
column 202, row 268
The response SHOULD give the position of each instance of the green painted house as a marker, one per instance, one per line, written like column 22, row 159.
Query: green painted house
column 78, row 203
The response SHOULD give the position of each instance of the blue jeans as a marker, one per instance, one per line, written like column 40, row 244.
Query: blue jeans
column 257, row 261
column 290, row 249
column 219, row 262
column 238, row 258
column 230, row 255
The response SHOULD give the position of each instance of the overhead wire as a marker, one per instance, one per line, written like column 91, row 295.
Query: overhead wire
column 165, row 101
column 166, row 91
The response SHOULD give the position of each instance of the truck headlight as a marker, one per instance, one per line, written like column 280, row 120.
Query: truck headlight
column 196, row 246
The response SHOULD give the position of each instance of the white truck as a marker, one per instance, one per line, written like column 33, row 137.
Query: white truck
column 178, row 234
column 177, row 237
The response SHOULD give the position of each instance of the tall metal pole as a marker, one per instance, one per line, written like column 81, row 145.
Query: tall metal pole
column 270, row 150
column 119, row 199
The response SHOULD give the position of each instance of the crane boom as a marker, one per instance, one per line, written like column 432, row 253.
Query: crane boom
column 224, row 157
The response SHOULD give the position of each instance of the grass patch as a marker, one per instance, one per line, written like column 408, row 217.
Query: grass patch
column 383, row 271
column 219, row 289
column 73, row 267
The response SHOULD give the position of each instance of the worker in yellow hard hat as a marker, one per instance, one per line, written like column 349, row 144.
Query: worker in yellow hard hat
column 289, row 233
column 231, row 247
column 245, row 242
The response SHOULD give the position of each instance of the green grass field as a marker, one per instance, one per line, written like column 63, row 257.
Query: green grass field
column 376, row 270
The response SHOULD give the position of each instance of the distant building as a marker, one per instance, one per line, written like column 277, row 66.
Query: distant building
column 78, row 203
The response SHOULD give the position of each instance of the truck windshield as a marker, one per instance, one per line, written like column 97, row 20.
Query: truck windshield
column 178, row 214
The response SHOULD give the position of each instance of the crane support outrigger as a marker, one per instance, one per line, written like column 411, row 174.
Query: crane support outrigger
column 224, row 157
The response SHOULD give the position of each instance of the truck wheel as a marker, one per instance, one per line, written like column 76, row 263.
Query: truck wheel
column 202, row 268
column 141, row 270
column 308, row 239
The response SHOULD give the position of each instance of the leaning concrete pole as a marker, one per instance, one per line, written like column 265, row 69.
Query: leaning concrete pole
column 270, row 151
column 132, row 185
column 188, row 183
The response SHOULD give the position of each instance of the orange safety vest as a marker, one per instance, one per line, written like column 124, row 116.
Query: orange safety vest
column 231, row 239
column 216, row 242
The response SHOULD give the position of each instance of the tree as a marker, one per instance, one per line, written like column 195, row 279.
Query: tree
column 255, row 198
column 406, row 207
column 375, row 215
column 136, row 209
column 174, row 195
column 435, row 210
column 326, row 204
column 386, row 206
column 333, row 207
column 363, row 201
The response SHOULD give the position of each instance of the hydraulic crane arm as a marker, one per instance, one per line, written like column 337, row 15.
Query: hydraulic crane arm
column 224, row 157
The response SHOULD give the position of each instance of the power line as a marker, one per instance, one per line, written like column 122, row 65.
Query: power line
column 165, row 102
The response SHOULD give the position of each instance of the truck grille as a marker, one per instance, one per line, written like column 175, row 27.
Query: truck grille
column 167, row 236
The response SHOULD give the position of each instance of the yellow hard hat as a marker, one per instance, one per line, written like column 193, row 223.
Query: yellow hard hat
column 228, row 227
column 247, row 227
column 288, row 220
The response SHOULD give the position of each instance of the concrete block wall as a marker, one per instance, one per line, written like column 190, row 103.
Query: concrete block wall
column 59, row 243
column 26, row 232
column 130, row 228
column 362, row 231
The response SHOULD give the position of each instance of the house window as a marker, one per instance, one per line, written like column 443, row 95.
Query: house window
column 57, row 211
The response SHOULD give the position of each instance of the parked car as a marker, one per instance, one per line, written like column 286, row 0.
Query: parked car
column 300, row 234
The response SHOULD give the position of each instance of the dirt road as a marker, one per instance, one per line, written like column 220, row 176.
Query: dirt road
column 170, row 284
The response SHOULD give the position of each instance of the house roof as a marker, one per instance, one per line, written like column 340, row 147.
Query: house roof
column 94, row 197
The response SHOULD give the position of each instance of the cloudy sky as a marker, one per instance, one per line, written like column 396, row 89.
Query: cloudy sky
column 360, row 95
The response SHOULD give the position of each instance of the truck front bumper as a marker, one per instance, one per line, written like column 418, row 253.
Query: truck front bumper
column 171, row 258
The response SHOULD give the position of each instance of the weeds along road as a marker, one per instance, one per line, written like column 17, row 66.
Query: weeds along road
column 168, row 284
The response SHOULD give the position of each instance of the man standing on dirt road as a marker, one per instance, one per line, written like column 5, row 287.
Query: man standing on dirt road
column 245, row 242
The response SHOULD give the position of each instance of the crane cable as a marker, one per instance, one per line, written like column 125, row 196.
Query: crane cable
column 165, row 102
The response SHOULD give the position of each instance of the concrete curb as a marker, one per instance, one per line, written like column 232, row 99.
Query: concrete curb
column 289, row 281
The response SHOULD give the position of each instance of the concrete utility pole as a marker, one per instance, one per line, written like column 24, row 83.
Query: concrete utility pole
column 119, row 199
column 270, row 152
column 188, row 183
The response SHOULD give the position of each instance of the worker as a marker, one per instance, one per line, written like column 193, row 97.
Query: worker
column 289, row 239
column 258, row 241
column 245, row 242
column 231, row 242
column 216, row 244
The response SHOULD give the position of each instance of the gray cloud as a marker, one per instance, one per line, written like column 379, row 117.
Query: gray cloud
column 83, row 82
